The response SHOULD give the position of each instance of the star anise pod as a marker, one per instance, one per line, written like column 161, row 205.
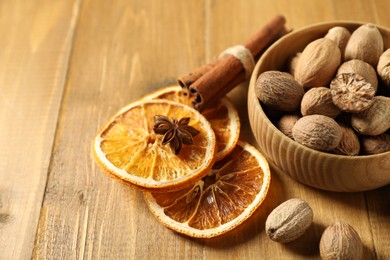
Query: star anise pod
column 176, row 132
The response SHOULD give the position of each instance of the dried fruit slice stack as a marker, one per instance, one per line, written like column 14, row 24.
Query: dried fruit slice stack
column 198, row 179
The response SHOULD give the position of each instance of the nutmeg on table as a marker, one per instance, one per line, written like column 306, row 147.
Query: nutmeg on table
column 333, row 76
column 340, row 241
column 289, row 220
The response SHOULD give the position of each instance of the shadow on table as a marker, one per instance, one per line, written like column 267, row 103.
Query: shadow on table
column 308, row 243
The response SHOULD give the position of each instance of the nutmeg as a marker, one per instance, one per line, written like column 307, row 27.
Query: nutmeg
column 340, row 241
column 289, row 221
column 375, row 120
column 292, row 63
column 279, row 90
column 366, row 44
column 340, row 35
column 362, row 68
column 286, row 123
column 317, row 132
column 319, row 101
column 383, row 68
column 351, row 92
column 375, row 144
column 349, row 144
column 318, row 63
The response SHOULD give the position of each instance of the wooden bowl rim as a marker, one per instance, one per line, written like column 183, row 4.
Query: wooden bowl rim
column 259, row 108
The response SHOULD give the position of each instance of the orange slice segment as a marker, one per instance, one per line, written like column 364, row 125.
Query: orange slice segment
column 222, row 115
column 229, row 194
column 128, row 148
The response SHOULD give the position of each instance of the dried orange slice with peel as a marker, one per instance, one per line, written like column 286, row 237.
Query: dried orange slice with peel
column 222, row 115
column 229, row 194
column 128, row 148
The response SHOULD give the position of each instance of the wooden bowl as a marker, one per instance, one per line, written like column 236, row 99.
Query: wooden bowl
column 314, row 168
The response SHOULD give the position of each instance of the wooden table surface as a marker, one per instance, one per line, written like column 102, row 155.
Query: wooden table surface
column 66, row 66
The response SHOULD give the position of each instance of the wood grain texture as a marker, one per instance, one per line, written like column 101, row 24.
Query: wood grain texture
column 34, row 52
column 121, row 52
column 67, row 66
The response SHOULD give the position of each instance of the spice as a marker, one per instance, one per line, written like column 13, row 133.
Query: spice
column 318, row 63
column 289, row 220
column 279, row 90
column 351, row 92
column 176, row 132
column 340, row 241
column 214, row 80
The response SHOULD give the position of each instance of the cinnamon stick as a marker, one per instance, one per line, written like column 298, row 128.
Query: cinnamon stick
column 214, row 80
column 186, row 80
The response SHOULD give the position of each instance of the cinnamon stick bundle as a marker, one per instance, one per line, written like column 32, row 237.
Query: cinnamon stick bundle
column 212, row 81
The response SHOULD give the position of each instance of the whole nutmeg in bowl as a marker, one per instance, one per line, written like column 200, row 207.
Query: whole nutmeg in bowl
column 327, row 143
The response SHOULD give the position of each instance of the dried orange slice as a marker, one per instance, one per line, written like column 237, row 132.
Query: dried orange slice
column 231, row 191
column 128, row 148
column 222, row 115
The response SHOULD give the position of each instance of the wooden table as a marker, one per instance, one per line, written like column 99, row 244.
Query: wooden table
column 66, row 66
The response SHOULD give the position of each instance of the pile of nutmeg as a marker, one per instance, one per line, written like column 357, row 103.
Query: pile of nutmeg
column 335, row 96
column 291, row 219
